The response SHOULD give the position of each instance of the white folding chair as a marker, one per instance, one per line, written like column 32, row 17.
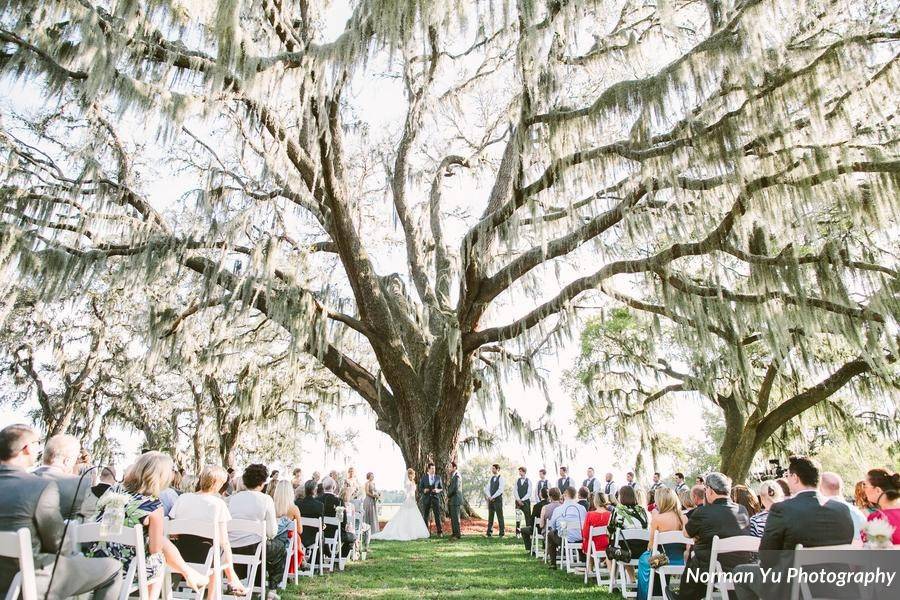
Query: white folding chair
column 520, row 516
column 314, row 552
column 17, row 544
column 597, row 556
column 831, row 555
column 133, row 537
column 537, row 540
column 720, row 546
column 663, row 573
column 213, row 563
column 291, row 554
column 254, row 563
column 573, row 562
column 332, row 543
column 618, row 576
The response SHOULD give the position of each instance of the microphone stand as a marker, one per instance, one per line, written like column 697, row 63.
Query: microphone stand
column 62, row 540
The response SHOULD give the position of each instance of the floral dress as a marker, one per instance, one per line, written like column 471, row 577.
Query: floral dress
column 136, row 512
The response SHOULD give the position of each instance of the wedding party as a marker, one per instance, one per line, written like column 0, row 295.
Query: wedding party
column 405, row 299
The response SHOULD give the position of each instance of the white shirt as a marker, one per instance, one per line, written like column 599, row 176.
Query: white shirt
column 487, row 488
column 610, row 488
column 202, row 507
column 859, row 519
column 251, row 505
column 529, row 493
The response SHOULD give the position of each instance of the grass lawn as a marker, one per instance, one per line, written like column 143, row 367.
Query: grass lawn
column 474, row 567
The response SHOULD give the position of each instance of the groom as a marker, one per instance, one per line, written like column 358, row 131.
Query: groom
column 430, row 487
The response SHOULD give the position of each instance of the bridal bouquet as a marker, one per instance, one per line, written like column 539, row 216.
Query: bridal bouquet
column 113, row 500
column 878, row 533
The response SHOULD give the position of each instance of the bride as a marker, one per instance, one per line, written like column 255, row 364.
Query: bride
column 408, row 523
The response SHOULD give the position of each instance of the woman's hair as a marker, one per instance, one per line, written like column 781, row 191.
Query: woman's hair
column 859, row 496
column 888, row 482
column 785, row 488
column 771, row 490
column 211, row 478
column 626, row 496
column 651, row 497
column 283, row 497
column 640, row 497
column 667, row 501
column 254, row 476
column 742, row 495
column 687, row 501
column 177, row 479
column 370, row 475
column 600, row 500
column 410, row 474
column 150, row 474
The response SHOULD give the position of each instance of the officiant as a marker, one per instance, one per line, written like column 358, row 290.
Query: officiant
column 430, row 488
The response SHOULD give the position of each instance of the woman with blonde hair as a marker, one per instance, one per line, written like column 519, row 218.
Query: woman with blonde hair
column 287, row 512
column 668, row 517
column 145, row 479
column 769, row 493
column 206, row 505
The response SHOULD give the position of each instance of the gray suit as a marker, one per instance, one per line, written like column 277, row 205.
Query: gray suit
column 68, row 489
column 30, row 501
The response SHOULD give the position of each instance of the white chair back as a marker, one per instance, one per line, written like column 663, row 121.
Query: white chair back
column 314, row 553
column 291, row 555
column 17, row 545
column 720, row 546
column 256, row 562
column 333, row 542
column 89, row 533
column 213, row 564
column 597, row 557
column 660, row 539
column 843, row 555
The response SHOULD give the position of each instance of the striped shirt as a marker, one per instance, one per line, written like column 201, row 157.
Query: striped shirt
column 758, row 524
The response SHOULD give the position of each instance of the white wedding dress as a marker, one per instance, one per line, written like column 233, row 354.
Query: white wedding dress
column 408, row 523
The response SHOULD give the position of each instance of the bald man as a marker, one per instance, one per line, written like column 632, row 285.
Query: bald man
column 831, row 486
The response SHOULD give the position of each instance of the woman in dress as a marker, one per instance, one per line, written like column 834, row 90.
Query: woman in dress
column 370, row 505
column 146, row 478
column 408, row 523
column 286, row 512
column 668, row 517
column 883, row 492
column 628, row 514
column 596, row 518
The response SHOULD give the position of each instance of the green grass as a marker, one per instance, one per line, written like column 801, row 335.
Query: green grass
column 474, row 567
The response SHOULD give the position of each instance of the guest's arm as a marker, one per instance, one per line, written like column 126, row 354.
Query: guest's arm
column 271, row 521
column 156, row 535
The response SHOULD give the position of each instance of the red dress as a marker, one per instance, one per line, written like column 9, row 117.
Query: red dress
column 597, row 518
column 892, row 516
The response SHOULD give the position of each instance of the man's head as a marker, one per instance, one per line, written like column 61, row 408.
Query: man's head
column 699, row 481
column 19, row 446
column 309, row 488
column 554, row 494
column 329, row 485
column 544, row 494
column 316, row 476
column 609, row 477
column 698, row 495
column 431, row 468
column 570, row 493
column 583, row 493
column 495, row 468
column 298, row 472
column 563, row 471
column 831, row 484
column 255, row 476
column 679, row 478
column 629, row 477
column 351, row 472
column 62, row 451
column 452, row 465
column 333, row 474
column 522, row 471
column 802, row 474
column 590, row 472
column 718, row 485
column 543, row 473
column 656, row 478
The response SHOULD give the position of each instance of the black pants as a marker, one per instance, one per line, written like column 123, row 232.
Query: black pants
column 526, row 513
column 527, row 532
column 454, row 518
column 553, row 544
column 276, row 555
column 495, row 507
column 432, row 504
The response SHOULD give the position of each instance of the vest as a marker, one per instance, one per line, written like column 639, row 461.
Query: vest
column 495, row 484
column 609, row 485
column 522, row 488
column 563, row 483
column 589, row 484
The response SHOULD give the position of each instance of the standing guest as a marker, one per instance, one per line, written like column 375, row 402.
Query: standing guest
column 568, row 511
column 610, row 488
column 32, row 502
column 801, row 519
column 628, row 514
column 270, row 486
column 354, row 490
column 251, row 504
column 493, row 493
column 743, row 497
column 831, row 487
column 370, row 505
column 330, row 502
column 564, row 482
column 680, row 485
column 312, row 508
column 89, row 507
column 61, row 454
column 668, row 518
column 596, row 518
column 656, row 482
column 860, row 499
column 454, row 500
column 522, row 495
column 591, row 482
column 883, row 491
column 583, row 494
column 144, row 480
column 542, row 483
column 297, row 478
column 769, row 493
column 286, row 512
column 206, row 505
column 698, row 498
column 534, row 529
column 169, row 495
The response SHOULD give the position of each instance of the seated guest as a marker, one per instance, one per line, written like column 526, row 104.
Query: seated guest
column 312, row 508
column 698, row 498
column 769, row 493
column 687, row 501
column 744, row 498
column 555, row 498
column 651, row 499
column 169, row 495
column 628, row 514
column 568, row 511
column 597, row 518
column 883, row 491
column 860, row 499
column 831, row 487
column 330, row 503
column 287, row 512
column 605, row 501
column 715, row 517
column 801, row 519
column 668, row 518
column 60, row 457
column 32, row 502
column 252, row 504
column 534, row 529
column 143, row 481
column 206, row 505
column 583, row 493
column 89, row 506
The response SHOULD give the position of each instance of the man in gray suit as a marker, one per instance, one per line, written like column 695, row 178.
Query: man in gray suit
column 59, row 458
column 30, row 501
column 454, row 500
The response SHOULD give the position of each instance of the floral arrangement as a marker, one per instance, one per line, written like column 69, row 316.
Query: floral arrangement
column 113, row 500
column 878, row 533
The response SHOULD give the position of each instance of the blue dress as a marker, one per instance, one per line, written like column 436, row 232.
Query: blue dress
column 675, row 552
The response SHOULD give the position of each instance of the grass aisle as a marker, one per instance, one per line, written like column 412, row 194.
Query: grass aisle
column 474, row 567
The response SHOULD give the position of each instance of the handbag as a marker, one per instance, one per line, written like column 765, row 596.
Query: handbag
column 660, row 559
column 619, row 553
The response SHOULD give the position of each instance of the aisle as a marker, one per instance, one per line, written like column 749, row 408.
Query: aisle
column 474, row 567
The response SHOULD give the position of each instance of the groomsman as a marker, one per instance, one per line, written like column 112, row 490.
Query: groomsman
column 680, row 485
column 523, row 494
column 591, row 482
column 610, row 488
column 564, row 482
column 493, row 493
column 629, row 481
column 454, row 500
column 656, row 483
column 542, row 484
